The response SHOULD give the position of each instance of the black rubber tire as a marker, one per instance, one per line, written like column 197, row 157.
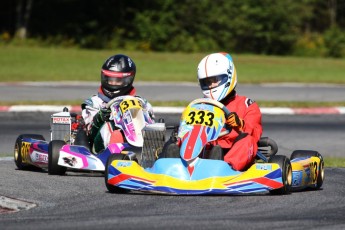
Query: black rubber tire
column 310, row 153
column 112, row 188
column 18, row 148
column 53, row 158
column 285, row 165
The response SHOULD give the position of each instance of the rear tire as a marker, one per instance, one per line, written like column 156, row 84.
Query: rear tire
column 53, row 158
column 285, row 165
column 112, row 188
column 310, row 153
column 18, row 160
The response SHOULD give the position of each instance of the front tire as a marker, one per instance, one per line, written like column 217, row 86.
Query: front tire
column 112, row 188
column 18, row 158
column 285, row 165
column 310, row 153
column 53, row 158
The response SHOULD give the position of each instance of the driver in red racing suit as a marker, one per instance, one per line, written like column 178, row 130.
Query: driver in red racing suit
column 218, row 78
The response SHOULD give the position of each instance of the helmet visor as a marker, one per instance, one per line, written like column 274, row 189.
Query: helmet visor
column 213, row 82
column 117, row 80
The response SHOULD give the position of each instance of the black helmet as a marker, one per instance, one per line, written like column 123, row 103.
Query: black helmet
column 117, row 75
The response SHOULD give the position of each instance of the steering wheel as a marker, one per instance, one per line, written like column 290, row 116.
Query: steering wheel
column 212, row 102
column 217, row 104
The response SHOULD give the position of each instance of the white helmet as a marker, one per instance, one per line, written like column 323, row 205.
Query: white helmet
column 217, row 75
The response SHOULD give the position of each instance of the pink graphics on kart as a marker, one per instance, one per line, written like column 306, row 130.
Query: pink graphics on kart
column 129, row 116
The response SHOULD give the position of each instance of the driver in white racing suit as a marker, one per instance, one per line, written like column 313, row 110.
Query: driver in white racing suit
column 117, row 76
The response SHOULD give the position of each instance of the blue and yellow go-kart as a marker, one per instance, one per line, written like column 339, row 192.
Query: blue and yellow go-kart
column 191, row 173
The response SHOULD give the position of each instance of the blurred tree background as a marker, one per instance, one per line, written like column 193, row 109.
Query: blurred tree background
column 288, row 27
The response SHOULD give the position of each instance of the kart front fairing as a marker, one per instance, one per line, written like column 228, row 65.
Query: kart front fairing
column 127, row 114
column 130, row 115
column 200, row 124
column 171, row 175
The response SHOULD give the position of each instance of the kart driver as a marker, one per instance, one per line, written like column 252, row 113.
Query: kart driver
column 218, row 78
column 117, row 76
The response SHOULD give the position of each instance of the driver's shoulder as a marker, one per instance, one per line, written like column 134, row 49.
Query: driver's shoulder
column 94, row 101
column 244, row 100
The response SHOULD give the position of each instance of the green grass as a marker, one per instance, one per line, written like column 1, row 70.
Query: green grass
column 334, row 162
column 71, row 64
column 25, row 63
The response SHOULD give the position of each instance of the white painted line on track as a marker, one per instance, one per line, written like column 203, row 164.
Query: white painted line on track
column 10, row 205
column 6, row 159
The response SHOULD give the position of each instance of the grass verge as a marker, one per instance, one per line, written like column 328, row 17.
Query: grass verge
column 334, row 162
column 72, row 64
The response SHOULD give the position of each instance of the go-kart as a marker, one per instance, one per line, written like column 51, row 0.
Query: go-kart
column 192, row 173
column 69, row 147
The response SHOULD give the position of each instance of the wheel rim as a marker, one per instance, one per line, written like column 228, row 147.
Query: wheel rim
column 289, row 176
column 322, row 170
column 16, row 149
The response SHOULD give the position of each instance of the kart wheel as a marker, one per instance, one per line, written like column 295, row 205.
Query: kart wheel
column 18, row 160
column 112, row 188
column 285, row 165
column 310, row 153
column 53, row 158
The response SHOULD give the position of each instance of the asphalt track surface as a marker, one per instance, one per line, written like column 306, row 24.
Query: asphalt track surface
column 81, row 201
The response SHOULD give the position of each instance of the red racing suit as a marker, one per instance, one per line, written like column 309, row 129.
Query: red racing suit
column 240, row 150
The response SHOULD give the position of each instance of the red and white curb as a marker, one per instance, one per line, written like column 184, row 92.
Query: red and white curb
column 158, row 109
column 295, row 111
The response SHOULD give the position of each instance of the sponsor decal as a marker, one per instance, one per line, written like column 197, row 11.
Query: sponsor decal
column 40, row 157
column 263, row 167
column 297, row 178
column 250, row 152
column 201, row 107
column 71, row 161
column 249, row 102
column 124, row 164
column 61, row 120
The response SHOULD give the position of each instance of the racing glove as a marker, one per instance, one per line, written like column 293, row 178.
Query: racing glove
column 234, row 121
column 104, row 114
column 98, row 120
column 101, row 117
